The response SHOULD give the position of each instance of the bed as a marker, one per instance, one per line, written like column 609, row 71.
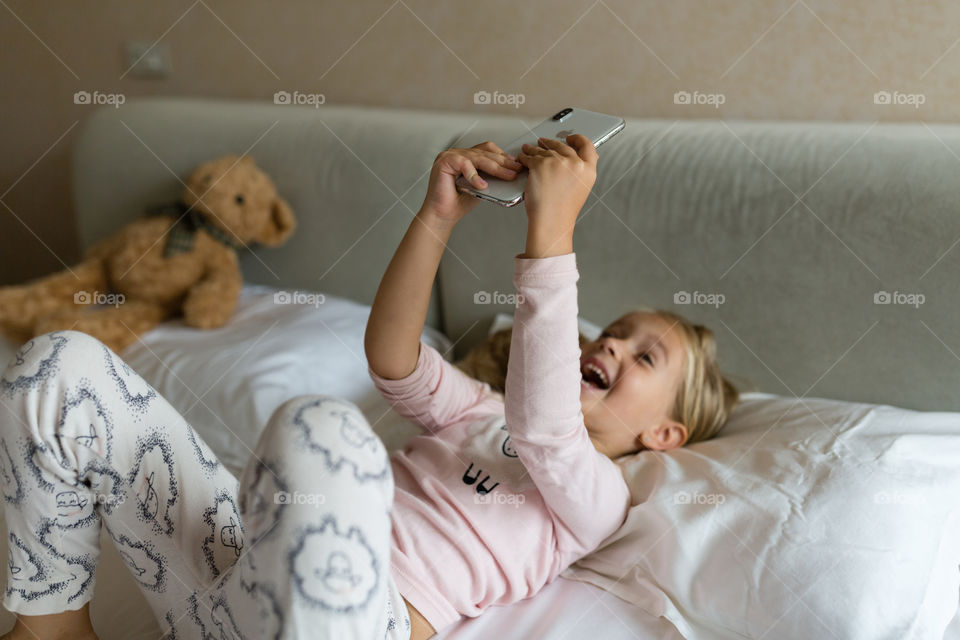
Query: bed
column 227, row 393
column 802, row 227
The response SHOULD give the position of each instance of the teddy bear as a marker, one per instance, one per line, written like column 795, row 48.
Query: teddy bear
column 487, row 361
column 181, row 260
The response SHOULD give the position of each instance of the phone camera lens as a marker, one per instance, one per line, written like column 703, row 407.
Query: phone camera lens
column 562, row 114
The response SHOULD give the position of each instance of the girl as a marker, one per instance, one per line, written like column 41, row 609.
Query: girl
column 323, row 536
column 508, row 490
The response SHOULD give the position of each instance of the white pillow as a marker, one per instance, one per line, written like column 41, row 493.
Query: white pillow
column 803, row 519
column 279, row 344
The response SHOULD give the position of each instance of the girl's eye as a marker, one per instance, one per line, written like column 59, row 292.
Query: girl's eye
column 646, row 356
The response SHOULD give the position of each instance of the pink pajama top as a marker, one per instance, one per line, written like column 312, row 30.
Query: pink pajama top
column 496, row 499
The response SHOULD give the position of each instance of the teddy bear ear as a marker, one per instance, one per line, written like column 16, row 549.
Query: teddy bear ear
column 279, row 226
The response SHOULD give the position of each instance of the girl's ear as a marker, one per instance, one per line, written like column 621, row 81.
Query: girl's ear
column 670, row 434
column 280, row 224
column 680, row 433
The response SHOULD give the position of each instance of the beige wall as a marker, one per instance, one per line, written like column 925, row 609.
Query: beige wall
column 813, row 59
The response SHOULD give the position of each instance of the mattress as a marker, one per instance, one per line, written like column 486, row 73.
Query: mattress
column 564, row 609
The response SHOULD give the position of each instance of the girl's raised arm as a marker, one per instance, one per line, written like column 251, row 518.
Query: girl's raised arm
column 392, row 339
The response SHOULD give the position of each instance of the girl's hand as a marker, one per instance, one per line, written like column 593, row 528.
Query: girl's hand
column 561, row 177
column 443, row 200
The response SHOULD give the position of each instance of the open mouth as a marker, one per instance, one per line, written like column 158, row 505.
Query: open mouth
column 594, row 374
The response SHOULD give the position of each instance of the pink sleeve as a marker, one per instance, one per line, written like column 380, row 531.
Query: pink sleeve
column 436, row 394
column 584, row 490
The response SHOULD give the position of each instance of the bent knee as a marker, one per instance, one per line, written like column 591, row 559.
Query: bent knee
column 317, row 409
column 78, row 345
column 312, row 423
column 49, row 355
column 69, row 347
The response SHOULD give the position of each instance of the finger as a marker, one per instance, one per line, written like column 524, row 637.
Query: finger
column 500, row 158
column 532, row 153
column 494, row 168
column 534, row 150
column 490, row 146
column 463, row 165
column 526, row 159
column 560, row 147
column 531, row 161
column 584, row 147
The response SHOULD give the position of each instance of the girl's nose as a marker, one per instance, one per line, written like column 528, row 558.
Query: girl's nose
column 610, row 347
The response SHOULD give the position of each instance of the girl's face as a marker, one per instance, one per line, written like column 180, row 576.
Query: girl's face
column 630, row 377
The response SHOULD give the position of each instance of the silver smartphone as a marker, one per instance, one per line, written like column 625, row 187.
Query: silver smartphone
column 599, row 127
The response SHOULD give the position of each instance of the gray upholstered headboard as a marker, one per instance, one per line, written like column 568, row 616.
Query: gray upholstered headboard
column 353, row 176
column 786, row 233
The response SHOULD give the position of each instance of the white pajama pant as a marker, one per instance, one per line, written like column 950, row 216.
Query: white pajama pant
column 299, row 547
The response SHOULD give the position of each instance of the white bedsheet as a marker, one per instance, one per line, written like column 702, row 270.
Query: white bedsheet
column 565, row 609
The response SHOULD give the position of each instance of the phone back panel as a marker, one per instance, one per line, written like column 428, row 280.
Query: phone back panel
column 599, row 127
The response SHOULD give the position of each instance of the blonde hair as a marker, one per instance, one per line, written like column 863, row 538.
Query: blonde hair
column 705, row 397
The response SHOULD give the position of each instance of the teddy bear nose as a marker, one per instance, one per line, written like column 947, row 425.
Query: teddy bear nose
column 239, row 198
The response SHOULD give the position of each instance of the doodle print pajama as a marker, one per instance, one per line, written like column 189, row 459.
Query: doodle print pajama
column 299, row 547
